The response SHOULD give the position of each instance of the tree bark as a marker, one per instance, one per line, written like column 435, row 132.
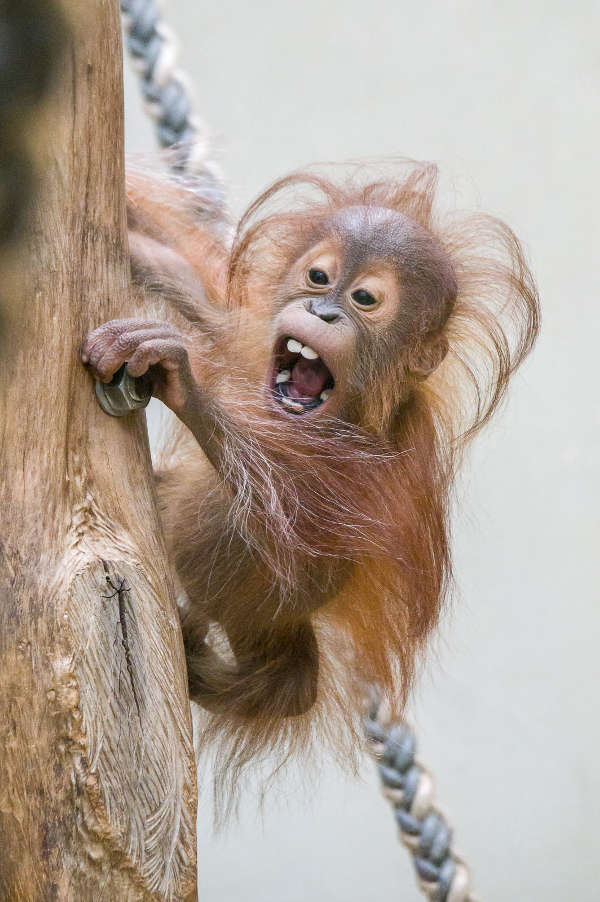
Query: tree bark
column 97, row 775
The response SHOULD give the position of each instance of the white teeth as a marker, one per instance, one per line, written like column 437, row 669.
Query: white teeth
column 324, row 395
column 283, row 376
column 295, row 347
column 293, row 405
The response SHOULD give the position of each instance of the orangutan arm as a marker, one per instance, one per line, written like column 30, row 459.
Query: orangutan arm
column 158, row 269
column 164, row 227
column 274, row 671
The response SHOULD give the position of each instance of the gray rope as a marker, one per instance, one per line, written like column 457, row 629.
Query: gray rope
column 166, row 95
column 442, row 876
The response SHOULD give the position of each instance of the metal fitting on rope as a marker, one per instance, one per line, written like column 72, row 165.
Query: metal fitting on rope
column 122, row 394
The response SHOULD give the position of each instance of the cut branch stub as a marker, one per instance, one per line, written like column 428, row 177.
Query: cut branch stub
column 106, row 699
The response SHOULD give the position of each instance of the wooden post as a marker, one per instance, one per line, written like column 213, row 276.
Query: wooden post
column 97, row 775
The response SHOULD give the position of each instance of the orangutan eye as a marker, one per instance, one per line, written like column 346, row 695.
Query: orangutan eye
column 363, row 298
column 318, row 277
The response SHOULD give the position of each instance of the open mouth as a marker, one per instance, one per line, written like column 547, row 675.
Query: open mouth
column 301, row 382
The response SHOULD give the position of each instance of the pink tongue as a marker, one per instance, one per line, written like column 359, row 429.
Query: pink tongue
column 308, row 378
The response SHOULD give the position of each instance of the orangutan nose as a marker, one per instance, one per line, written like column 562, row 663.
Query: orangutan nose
column 324, row 309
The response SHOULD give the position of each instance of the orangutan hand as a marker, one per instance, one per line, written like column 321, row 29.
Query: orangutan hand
column 148, row 347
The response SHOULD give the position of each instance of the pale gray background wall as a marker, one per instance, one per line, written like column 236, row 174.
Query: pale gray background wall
column 505, row 97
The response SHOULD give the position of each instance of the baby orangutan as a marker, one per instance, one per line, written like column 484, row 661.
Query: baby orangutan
column 329, row 368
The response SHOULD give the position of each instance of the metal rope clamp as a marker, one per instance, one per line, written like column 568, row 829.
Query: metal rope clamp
column 123, row 393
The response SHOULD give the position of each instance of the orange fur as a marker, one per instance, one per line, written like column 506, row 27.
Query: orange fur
column 321, row 549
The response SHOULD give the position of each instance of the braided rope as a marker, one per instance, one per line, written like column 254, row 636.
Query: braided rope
column 442, row 876
column 166, row 92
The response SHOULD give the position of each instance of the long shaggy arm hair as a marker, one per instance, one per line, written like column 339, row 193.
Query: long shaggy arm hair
column 320, row 550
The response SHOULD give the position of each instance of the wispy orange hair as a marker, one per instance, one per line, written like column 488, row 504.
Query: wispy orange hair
column 358, row 512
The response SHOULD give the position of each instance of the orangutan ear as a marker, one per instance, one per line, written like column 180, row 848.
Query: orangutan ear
column 424, row 358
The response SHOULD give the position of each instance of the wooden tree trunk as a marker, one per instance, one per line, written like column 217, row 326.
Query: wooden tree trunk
column 97, row 776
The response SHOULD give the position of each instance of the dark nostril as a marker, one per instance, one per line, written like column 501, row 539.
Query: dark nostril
column 329, row 317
